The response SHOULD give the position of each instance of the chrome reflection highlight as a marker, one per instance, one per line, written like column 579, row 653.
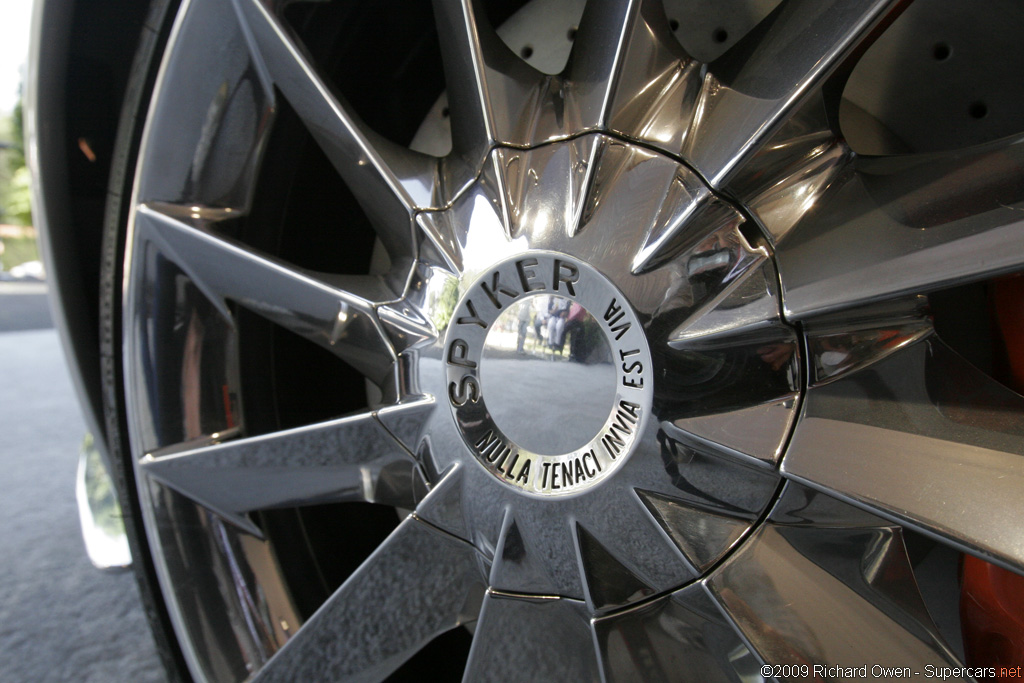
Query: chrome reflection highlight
column 99, row 513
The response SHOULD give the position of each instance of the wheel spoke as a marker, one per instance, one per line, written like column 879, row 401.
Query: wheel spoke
column 624, row 59
column 687, row 203
column 349, row 459
column 418, row 584
column 837, row 596
column 405, row 420
column 758, row 431
column 718, row 533
column 388, row 180
column 644, row 643
column 518, row 564
column 954, row 436
column 743, row 304
column 744, row 321
column 338, row 319
column 753, row 87
column 908, row 224
column 529, row 184
column 727, row 261
column 783, row 204
column 473, row 56
column 554, row 631
column 491, row 92
column 700, row 474
column 841, row 344
column 788, row 176
column 627, row 556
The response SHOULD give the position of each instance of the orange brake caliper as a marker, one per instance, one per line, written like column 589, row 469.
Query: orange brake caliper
column 992, row 598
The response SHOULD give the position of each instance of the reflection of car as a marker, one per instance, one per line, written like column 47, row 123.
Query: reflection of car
column 30, row 270
column 307, row 216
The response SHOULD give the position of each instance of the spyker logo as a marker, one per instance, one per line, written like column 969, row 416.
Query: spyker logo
column 554, row 326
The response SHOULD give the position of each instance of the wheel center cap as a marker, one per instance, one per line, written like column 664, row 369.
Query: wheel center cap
column 554, row 367
column 548, row 373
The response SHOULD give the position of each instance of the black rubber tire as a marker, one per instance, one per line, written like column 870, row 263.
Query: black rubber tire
column 151, row 44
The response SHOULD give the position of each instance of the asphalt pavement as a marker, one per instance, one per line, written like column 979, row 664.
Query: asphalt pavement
column 23, row 306
column 60, row 619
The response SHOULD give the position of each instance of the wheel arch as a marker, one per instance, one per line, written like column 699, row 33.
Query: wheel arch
column 81, row 59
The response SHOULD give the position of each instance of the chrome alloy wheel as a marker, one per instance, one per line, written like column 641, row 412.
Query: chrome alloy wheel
column 651, row 376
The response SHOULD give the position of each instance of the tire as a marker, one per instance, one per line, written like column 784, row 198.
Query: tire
column 129, row 132
column 421, row 348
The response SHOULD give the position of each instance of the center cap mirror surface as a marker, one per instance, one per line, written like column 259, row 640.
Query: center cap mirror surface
column 548, row 373
column 553, row 365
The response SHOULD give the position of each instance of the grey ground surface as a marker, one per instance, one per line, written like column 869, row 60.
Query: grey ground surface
column 537, row 397
column 23, row 306
column 60, row 619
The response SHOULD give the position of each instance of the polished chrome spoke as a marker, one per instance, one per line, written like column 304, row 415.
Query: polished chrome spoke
column 751, row 89
column 627, row 556
column 739, row 319
column 790, row 173
column 532, row 639
column 687, row 203
column 836, row 596
column 848, row 341
column 645, row 643
column 349, row 459
column 492, row 93
column 679, row 518
column 389, row 181
column 728, row 262
column 908, row 224
column 335, row 317
column 518, row 564
column 530, row 183
column 954, row 435
column 418, row 584
column 469, row 48
column 758, row 431
column 624, row 60
column 446, row 239
column 743, row 306
column 800, row 185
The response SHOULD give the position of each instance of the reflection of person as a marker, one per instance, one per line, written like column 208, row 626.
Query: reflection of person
column 558, row 311
column 574, row 328
column 538, row 325
column 524, row 324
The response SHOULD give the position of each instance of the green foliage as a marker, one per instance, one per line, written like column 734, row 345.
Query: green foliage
column 442, row 302
column 18, row 198
column 15, row 195
column 18, row 133
column 18, row 251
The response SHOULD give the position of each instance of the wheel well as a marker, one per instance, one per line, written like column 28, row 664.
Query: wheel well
column 83, row 56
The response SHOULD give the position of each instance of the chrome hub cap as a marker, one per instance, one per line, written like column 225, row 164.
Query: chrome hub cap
column 646, row 350
column 568, row 274
column 560, row 417
column 581, row 389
